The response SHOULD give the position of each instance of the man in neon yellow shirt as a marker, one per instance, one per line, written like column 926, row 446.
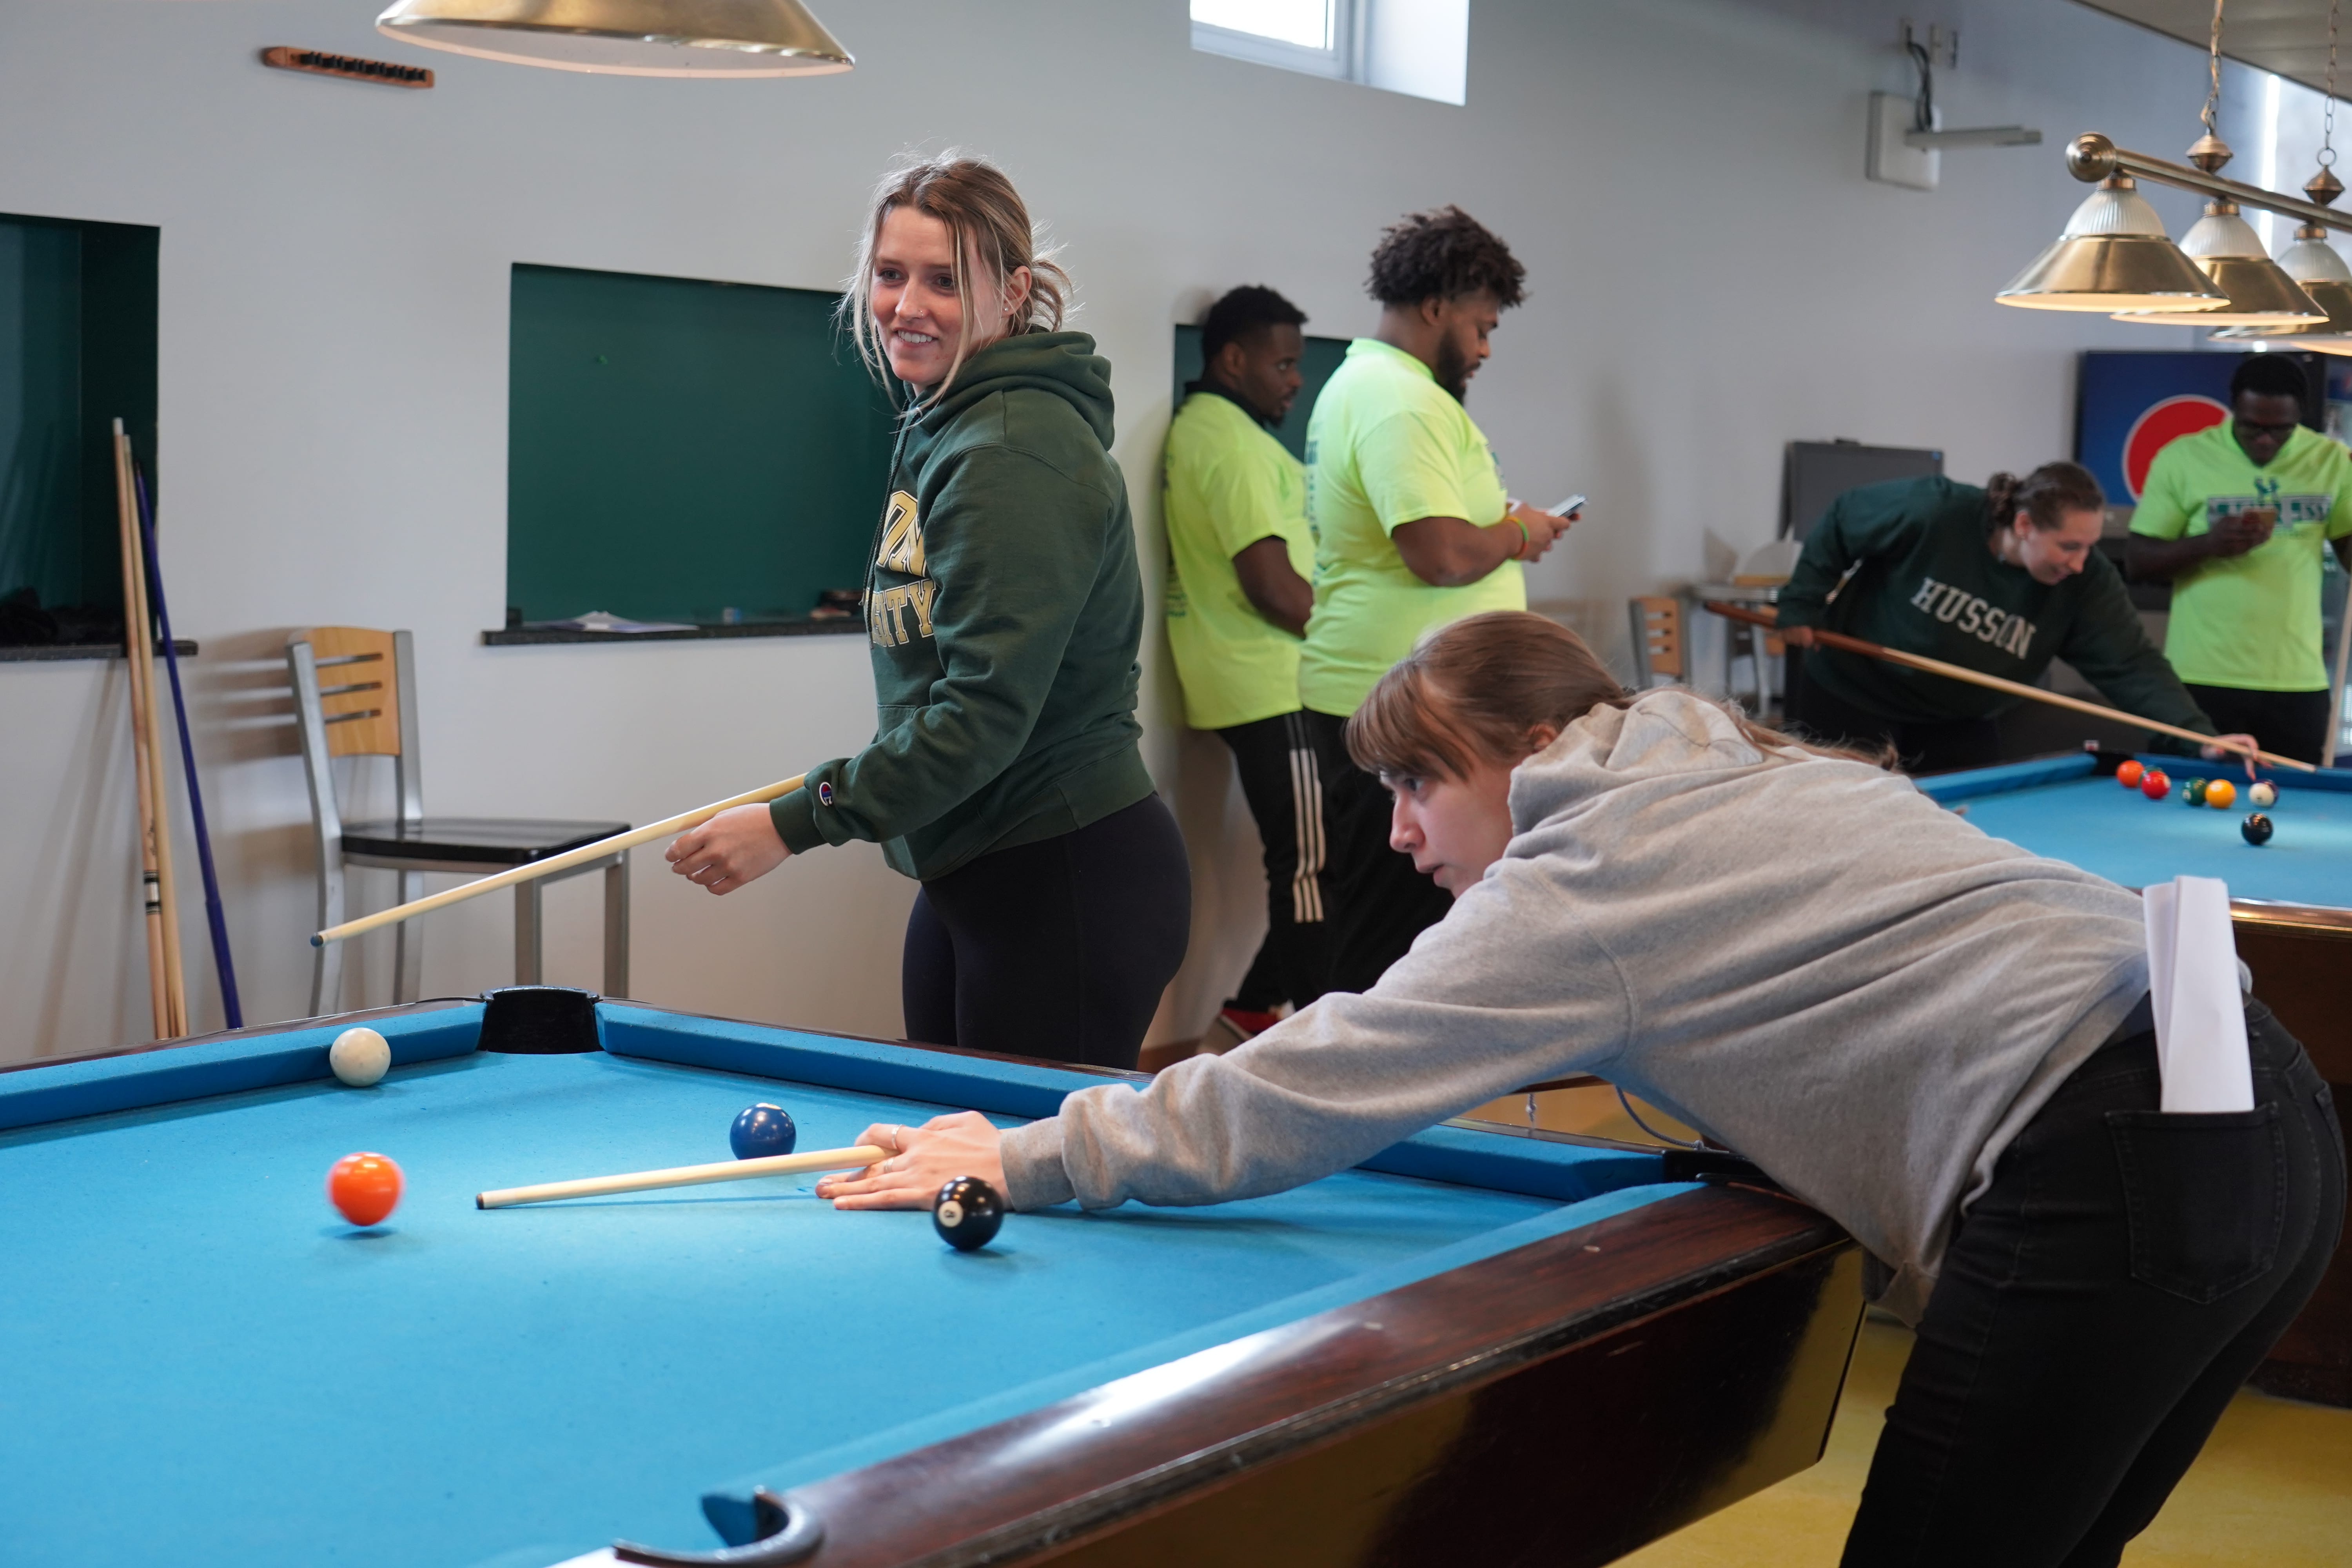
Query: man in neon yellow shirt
column 1413, row 531
column 2236, row 517
column 1238, row 599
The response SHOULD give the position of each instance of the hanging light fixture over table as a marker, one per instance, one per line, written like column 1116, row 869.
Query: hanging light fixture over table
column 2114, row 255
column 2230, row 253
column 628, row 37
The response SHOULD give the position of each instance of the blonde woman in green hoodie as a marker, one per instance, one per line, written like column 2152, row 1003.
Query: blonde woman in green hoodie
column 1004, row 608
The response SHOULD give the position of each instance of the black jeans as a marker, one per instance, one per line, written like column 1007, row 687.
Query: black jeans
column 1057, row 949
column 1378, row 902
column 2099, row 1304
column 2292, row 723
column 1925, row 748
column 1282, row 779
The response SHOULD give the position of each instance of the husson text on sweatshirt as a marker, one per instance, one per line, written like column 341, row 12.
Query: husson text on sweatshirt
column 1803, row 957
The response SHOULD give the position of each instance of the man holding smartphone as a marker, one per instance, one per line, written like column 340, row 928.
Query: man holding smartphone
column 1413, row 531
column 2235, row 517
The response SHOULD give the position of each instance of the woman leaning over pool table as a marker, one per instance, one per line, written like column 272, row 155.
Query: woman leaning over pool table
column 1941, row 1040
column 1003, row 607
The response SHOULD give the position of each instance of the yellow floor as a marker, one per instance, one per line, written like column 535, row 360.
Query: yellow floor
column 2273, row 1487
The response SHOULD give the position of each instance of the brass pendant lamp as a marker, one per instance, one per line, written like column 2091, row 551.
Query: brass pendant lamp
column 2114, row 255
column 626, row 37
column 2260, row 294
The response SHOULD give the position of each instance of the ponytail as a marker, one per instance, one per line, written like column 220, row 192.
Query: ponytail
column 2046, row 495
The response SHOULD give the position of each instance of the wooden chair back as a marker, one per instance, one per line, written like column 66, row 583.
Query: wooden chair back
column 1657, row 638
column 358, row 691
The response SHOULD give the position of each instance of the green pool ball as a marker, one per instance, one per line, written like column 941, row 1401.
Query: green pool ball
column 2192, row 792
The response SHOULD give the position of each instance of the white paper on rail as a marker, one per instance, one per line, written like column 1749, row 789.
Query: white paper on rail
column 2192, row 977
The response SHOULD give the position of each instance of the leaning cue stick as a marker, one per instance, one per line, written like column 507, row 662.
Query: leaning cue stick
column 855, row 1155
column 2335, row 687
column 175, row 982
column 216, row 918
column 1992, row 682
column 564, row 862
column 158, row 993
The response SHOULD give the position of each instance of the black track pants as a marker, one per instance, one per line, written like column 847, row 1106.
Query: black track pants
column 1282, row 779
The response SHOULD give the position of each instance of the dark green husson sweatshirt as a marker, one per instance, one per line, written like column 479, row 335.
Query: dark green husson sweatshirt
column 1004, row 608
column 1928, row 582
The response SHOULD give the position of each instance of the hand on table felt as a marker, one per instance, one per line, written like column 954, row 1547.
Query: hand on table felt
column 929, row 1157
column 738, row 845
column 1543, row 529
column 2240, row 747
column 2236, row 532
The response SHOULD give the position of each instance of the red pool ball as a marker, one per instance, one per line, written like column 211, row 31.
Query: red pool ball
column 363, row 1187
column 2153, row 784
column 2128, row 775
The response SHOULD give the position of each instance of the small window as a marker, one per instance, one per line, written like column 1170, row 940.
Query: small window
column 1416, row 46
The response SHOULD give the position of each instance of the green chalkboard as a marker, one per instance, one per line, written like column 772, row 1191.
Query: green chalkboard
column 1323, row 356
column 77, row 353
column 678, row 448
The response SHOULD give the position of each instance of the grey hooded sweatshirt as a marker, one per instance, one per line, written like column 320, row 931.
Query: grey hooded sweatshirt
column 1803, row 957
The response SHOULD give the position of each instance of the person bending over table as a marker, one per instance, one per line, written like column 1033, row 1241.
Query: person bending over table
column 1411, row 530
column 2234, row 517
column 1003, row 609
column 1938, row 1039
column 1238, row 598
column 2001, row 579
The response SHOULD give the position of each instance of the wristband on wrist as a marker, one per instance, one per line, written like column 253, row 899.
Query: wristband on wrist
column 1526, row 539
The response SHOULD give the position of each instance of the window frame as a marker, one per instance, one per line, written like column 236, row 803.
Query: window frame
column 1343, row 61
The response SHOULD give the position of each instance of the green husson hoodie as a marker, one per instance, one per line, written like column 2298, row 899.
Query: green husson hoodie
column 1005, row 609
column 1928, row 582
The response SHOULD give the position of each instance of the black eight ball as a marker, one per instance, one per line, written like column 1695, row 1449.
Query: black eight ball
column 967, row 1214
column 2257, row 828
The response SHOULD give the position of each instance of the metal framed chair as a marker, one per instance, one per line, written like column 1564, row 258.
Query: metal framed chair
column 1657, row 640
column 367, row 707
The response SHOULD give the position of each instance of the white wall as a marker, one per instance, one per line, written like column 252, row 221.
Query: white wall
column 1711, row 276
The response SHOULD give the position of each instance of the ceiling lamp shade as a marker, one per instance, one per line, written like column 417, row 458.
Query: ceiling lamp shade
column 2114, row 255
column 2316, row 266
column 2230, row 253
column 626, row 37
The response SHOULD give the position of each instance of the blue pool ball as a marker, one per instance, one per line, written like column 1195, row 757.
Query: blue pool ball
column 2257, row 829
column 760, row 1131
column 967, row 1214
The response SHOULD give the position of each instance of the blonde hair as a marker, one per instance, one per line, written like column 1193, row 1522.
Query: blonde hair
column 988, row 225
column 1480, row 689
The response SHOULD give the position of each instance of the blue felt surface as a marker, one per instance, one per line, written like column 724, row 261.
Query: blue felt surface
column 190, row 1339
column 2060, row 809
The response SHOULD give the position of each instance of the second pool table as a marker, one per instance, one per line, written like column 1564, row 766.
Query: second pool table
column 1475, row 1347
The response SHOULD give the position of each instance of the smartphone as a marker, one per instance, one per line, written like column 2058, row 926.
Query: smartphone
column 1573, row 504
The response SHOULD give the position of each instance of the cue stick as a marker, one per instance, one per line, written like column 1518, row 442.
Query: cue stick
column 854, row 1156
column 2335, row 687
column 176, row 976
column 214, row 916
column 1994, row 682
column 564, row 862
column 158, row 994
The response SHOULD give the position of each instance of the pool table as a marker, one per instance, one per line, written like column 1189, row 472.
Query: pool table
column 2292, row 903
column 1476, row 1346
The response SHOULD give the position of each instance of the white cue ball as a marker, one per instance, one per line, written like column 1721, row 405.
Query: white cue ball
column 360, row 1057
column 2264, row 794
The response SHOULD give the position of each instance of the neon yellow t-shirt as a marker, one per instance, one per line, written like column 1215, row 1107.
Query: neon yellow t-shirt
column 1388, row 445
column 1226, row 484
column 2249, row 621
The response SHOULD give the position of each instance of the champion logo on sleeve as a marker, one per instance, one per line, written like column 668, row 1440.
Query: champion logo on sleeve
column 823, row 794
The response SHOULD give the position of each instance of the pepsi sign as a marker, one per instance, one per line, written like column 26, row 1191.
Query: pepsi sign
column 2131, row 405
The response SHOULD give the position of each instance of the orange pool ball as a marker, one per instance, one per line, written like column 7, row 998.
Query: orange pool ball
column 2128, row 775
column 363, row 1187
column 2220, row 794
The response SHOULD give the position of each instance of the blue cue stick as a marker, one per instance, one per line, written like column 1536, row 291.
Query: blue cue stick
column 212, row 914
